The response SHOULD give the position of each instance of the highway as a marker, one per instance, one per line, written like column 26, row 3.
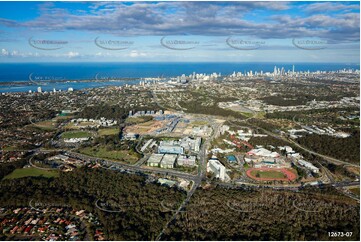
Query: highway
column 117, row 165
column 195, row 178
column 327, row 158
column 156, row 100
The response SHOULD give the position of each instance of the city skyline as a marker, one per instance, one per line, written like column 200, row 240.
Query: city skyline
column 292, row 32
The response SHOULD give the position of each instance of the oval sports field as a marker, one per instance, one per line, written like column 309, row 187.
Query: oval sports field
column 271, row 174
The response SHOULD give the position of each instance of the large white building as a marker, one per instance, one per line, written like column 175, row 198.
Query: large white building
column 309, row 166
column 217, row 168
column 170, row 149
column 180, row 146
column 186, row 161
column 154, row 160
column 263, row 152
column 168, row 161
column 191, row 144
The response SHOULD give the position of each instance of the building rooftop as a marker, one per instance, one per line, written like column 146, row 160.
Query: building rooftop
column 216, row 163
column 155, row 158
column 169, row 159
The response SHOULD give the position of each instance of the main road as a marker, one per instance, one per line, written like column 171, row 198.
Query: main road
column 197, row 180
column 328, row 158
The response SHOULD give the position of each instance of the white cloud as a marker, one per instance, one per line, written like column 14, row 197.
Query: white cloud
column 135, row 53
column 4, row 52
column 72, row 54
column 329, row 7
column 200, row 18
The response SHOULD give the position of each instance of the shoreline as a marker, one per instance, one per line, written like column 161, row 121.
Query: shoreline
column 29, row 83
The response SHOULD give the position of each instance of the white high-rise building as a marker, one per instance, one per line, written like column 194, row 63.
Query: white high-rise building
column 217, row 168
column 39, row 89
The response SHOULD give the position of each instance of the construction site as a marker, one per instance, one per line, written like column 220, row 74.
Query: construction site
column 169, row 124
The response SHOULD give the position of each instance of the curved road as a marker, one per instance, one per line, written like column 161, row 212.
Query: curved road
column 328, row 158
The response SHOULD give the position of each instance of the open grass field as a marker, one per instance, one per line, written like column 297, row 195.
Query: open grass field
column 270, row 174
column 355, row 190
column 9, row 148
column 137, row 120
column 46, row 125
column 70, row 126
column 117, row 155
column 199, row 123
column 80, row 125
column 105, row 132
column 51, row 124
column 75, row 134
column 25, row 172
column 148, row 124
column 63, row 117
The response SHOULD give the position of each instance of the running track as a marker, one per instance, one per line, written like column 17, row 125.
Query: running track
column 290, row 176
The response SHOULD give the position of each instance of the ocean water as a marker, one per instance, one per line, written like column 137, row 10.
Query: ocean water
column 48, row 75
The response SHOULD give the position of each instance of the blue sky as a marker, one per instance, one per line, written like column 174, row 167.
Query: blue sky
column 180, row 32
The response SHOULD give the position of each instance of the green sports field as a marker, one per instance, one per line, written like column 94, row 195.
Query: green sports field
column 119, row 155
column 75, row 134
column 268, row 174
column 25, row 172
column 111, row 131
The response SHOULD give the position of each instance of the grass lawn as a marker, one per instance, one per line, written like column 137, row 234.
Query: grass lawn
column 147, row 124
column 104, row 132
column 70, row 126
column 25, row 172
column 9, row 148
column 199, row 123
column 118, row 155
column 139, row 119
column 75, row 134
column 80, row 125
column 63, row 117
column 247, row 115
column 46, row 125
column 268, row 174
column 355, row 191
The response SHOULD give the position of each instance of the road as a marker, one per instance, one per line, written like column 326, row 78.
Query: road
column 327, row 158
column 336, row 161
column 108, row 163
column 197, row 180
column 156, row 100
column 180, row 208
